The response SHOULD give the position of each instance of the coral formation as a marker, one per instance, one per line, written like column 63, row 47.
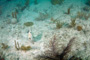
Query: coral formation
column 54, row 2
column 17, row 45
column 24, row 48
column 53, row 53
column 79, row 28
column 28, row 24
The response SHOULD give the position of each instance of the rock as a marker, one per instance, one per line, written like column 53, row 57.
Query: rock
column 13, row 20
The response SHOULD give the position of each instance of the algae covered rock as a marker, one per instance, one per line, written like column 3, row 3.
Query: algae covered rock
column 28, row 24
column 54, row 2
column 25, row 48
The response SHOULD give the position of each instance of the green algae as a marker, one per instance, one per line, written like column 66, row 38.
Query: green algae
column 28, row 24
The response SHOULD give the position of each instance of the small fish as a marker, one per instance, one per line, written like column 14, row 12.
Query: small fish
column 29, row 35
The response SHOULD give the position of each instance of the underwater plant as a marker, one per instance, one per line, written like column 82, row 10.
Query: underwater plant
column 53, row 20
column 68, row 11
column 28, row 24
column 24, row 48
column 54, row 2
column 53, row 53
column 83, row 15
column 86, row 16
column 59, row 25
column 14, row 18
column 80, row 15
column 4, row 46
column 25, row 5
column 73, row 23
column 14, row 14
column 17, row 45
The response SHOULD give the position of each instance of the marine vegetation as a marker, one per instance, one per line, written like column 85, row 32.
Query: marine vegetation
column 24, row 48
column 28, row 24
column 14, row 17
column 17, row 45
column 68, row 11
column 54, row 2
column 25, row 5
column 73, row 23
column 4, row 46
column 83, row 15
column 59, row 25
column 53, row 52
column 53, row 20
column 14, row 14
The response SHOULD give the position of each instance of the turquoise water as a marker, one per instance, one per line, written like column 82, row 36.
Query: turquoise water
column 44, row 29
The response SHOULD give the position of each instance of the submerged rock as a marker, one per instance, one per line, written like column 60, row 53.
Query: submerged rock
column 28, row 24
column 13, row 20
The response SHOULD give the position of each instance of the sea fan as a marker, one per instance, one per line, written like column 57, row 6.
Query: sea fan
column 53, row 54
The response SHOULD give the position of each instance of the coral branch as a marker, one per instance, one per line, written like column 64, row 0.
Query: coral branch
column 55, row 55
column 17, row 45
column 67, row 49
